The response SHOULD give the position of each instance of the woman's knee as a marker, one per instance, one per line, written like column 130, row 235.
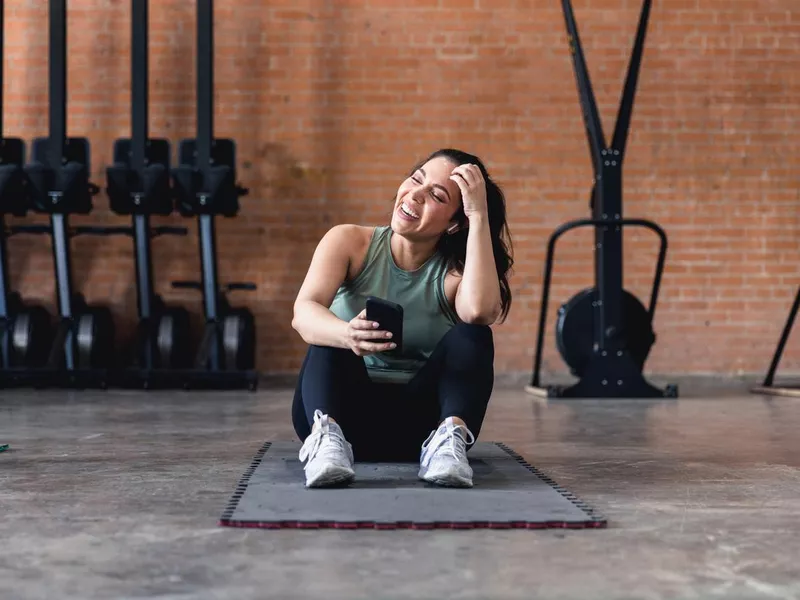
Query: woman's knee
column 330, row 356
column 329, row 351
column 470, row 344
column 481, row 333
column 479, row 336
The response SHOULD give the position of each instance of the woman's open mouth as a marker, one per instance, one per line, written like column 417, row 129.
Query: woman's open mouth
column 407, row 212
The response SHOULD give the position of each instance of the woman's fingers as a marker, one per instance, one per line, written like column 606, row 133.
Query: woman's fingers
column 470, row 173
column 361, row 322
column 370, row 335
column 367, row 337
column 375, row 347
column 461, row 183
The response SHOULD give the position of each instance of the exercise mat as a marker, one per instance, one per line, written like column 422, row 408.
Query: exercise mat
column 508, row 493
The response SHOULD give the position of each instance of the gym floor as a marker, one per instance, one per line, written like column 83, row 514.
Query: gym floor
column 117, row 495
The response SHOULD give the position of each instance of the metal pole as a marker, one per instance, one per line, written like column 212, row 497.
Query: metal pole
column 205, row 139
column 58, row 82
column 139, row 138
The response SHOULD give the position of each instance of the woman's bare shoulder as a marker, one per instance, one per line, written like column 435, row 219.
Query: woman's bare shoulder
column 354, row 240
column 352, row 235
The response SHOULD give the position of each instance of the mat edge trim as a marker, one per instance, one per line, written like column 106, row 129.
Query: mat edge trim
column 596, row 519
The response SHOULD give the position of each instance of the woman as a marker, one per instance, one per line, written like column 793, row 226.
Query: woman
column 444, row 258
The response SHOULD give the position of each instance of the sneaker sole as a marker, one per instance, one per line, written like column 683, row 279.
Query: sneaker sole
column 453, row 483
column 332, row 477
column 447, row 480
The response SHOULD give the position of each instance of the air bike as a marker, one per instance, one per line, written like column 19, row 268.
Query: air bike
column 603, row 333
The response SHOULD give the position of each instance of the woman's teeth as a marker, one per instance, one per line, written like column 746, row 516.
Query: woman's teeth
column 406, row 210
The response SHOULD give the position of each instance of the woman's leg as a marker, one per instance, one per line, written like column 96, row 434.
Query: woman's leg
column 329, row 403
column 389, row 422
column 460, row 376
column 334, row 385
column 335, row 382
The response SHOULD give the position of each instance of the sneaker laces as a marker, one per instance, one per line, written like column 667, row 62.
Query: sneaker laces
column 314, row 443
column 452, row 441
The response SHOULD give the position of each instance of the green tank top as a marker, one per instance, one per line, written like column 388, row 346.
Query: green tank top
column 427, row 315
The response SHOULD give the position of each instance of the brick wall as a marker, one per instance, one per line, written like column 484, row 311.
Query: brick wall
column 330, row 106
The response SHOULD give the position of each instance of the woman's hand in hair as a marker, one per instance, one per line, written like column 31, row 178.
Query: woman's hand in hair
column 473, row 190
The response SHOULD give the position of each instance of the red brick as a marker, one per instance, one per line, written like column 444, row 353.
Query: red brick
column 331, row 105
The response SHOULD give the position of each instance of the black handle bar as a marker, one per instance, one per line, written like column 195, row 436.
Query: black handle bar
column 243, row 286
column 15, row 229
column 230, row 287
column 169, row 230
column 99, row 230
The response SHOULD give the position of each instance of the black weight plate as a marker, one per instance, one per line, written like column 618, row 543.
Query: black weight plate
column 31, row 337
column 575, row 330
column 238, row 340
column 172, row 339
column 104, row 356
column 94, row 338
column 232, row 327
column 85, row 339
column 14, row 303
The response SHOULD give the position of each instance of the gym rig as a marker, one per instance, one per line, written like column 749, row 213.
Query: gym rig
column 768, row 385
column 603, row 333
column 80, row 350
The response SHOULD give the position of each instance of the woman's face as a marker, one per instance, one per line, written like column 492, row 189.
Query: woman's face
column 427, row 201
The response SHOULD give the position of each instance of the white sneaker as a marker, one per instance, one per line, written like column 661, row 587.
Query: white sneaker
column 443, row 460
column 329, row 455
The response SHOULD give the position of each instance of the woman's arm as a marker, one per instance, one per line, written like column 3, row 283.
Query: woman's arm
column 313, row 320
column 478, row 294
column 478, row 297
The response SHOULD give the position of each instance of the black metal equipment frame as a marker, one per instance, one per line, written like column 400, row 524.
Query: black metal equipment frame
column 14, row 201
column 12, row 153
column 139, row 186
column 768, row 386
column 58, row 180
column 205, row 183
column 611, row 370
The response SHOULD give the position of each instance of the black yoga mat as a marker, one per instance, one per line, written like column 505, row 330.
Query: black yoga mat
column 508, row 493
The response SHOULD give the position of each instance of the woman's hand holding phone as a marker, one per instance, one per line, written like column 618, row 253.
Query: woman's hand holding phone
column 364, row 337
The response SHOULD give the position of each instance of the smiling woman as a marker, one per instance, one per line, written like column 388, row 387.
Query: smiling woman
column 444, row 258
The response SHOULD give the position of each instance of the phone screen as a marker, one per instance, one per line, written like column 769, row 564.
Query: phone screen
column 389, row 316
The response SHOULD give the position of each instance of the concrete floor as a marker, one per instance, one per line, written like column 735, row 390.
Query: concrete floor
column 117, row 495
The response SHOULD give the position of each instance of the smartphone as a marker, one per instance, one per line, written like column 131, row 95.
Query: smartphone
column 389, row 316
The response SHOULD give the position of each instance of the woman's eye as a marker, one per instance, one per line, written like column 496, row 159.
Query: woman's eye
column 415, row 180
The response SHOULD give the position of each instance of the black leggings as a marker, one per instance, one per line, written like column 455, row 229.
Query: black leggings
column 390, row 421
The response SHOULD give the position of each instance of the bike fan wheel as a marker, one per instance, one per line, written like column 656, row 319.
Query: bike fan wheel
column 575, row 336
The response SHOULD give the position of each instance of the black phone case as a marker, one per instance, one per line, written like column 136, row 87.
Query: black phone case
column 390, row 317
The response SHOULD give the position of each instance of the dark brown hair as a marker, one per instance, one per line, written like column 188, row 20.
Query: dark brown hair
column 454, row 245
